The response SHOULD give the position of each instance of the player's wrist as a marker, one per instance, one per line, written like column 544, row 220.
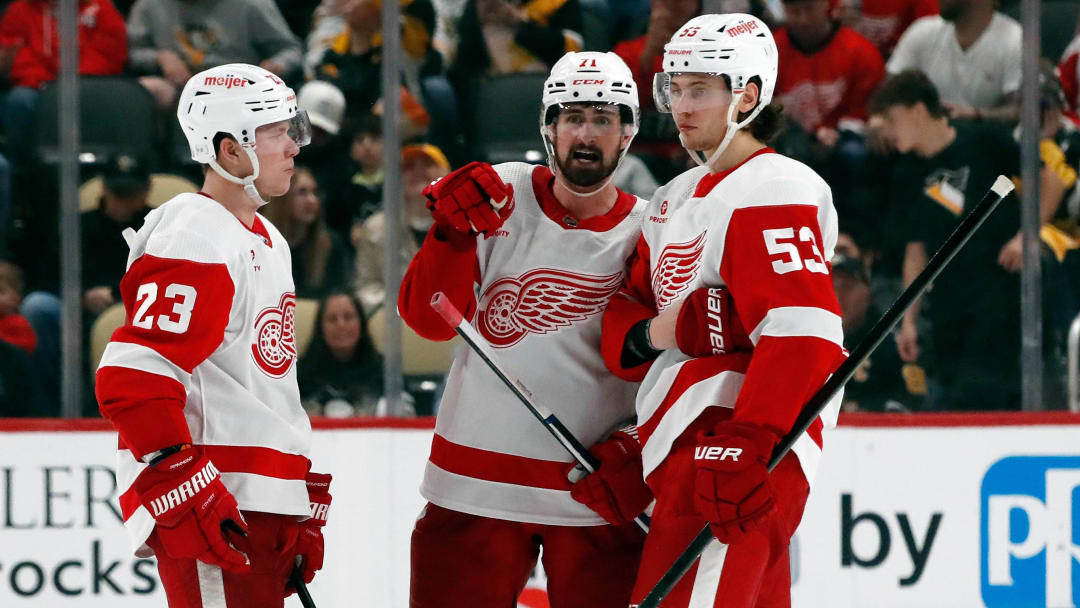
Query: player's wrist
column 158, row 456
column 638, row 347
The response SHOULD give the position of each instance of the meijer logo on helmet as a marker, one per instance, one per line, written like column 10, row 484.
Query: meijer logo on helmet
column 742, row 28
column 225, row 81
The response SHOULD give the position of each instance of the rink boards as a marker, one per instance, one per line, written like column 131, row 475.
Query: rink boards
column 929, row 510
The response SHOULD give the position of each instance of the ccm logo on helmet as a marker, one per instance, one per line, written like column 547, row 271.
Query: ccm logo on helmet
column 716, row 452
column 225, row 81
column 588, row 82
column 742, row 28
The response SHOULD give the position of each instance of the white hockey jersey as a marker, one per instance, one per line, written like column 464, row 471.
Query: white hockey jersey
column 536, row 290
column 766, row 230
column 207, row 355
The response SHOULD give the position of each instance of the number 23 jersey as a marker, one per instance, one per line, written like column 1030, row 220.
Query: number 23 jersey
column 765, row 230
column 207, row 355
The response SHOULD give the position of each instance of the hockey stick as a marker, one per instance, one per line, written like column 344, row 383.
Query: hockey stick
column 551, row 422
column 297, row 580
column 1001, row 188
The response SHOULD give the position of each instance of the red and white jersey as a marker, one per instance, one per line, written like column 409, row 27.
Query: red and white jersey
column 831, row 86
column 1068, row 72
column 536, row 290
column 766, row 230
column 207, row 355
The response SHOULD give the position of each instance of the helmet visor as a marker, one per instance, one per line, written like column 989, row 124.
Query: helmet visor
column 300, row 128
column 690, row 92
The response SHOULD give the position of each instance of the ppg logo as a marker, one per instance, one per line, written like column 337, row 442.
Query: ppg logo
column 1030, row 535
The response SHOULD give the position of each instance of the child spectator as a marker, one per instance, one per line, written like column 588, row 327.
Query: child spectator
column 14, row 328
column 320, row 262
column 354, row 183
column 421, row 165
column 944, row 170
column 341, row 374
column 123, row 205
column 172, row 39
column 30, row 57
column 18, row 378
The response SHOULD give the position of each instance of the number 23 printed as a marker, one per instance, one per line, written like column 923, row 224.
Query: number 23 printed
column 183, row 298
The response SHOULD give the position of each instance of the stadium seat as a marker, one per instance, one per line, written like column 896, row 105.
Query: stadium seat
column 503, row 136
column 419, row 356
column 163, row 186
column 102, row 329
column 307, row 312
column 116, row 116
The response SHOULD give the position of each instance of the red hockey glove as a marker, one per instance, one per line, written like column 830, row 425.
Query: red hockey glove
column 616, row 490
column 193, row 510
column 732, row 488
column 309, row 545
column 472, row 198
column 709, row 325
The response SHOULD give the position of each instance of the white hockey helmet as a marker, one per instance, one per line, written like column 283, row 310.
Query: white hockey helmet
column 236, row 99
column 593, row 78
column 736, row 46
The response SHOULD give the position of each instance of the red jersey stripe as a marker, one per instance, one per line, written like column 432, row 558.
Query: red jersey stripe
column 502, row 468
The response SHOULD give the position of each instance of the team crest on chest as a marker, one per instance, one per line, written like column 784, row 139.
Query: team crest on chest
column 676, row 269
column 541, row 301
column 274, row 349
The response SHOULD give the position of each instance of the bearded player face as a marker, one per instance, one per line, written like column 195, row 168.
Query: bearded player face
column 587, row 139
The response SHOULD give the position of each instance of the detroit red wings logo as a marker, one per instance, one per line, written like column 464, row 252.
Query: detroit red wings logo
column 274, row 349
column 541, row 301
column 676, row 269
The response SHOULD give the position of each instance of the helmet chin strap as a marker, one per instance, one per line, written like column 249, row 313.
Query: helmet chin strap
column 247, row 182
column 732, row 128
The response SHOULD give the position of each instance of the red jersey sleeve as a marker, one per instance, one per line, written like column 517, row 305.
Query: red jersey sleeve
column 632, row 304
column 774, row 266
column 448, row 265
column 103, row 49
column 176, row 314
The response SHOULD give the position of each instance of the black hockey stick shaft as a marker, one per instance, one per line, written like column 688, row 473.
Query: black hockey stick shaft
column 551, row 422
column 297, row 580
column 1001, row 188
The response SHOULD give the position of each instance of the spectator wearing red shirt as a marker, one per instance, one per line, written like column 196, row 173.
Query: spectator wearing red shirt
column 827, row 74
column 1068, row 72
column 30, row 56
column 827, row 70
column 882, row 21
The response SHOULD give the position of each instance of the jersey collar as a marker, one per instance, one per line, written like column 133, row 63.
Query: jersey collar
column 257, row 227
column 710, row 181
column 543, row 182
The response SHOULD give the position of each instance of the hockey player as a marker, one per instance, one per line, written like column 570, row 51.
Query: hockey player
column 763, row 225
column 531, row 254
column 200, row 382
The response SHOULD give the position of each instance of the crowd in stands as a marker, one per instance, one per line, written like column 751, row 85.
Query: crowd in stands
column 908, row 108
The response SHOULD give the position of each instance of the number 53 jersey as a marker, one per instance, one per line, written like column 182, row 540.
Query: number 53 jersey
column 766, row 230
column 207, row 355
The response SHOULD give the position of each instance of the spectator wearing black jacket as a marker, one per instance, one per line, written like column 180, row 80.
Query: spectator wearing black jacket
column 123, row 205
